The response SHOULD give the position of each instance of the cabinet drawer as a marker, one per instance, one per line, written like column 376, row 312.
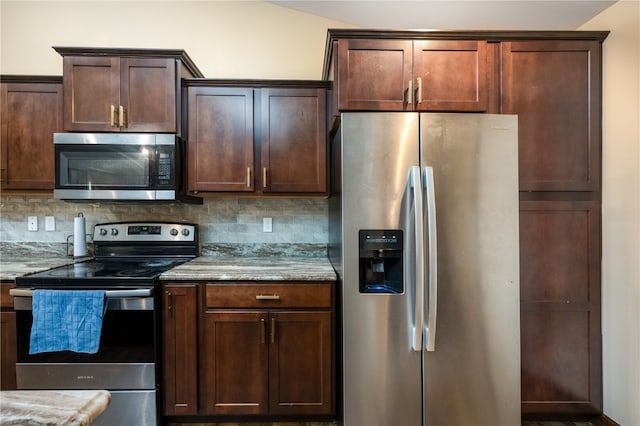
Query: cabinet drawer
column 249, row 295
column 6, row 300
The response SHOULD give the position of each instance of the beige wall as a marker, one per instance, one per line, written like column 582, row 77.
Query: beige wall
column 621, row 210
column 226, row 39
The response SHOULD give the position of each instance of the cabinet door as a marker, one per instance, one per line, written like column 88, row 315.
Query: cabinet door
column 91, row 93
column 234, row 364
column 8, row 354
column 450, row 75
column 220, row 139
column 180, row 356
column 375, row 75
column 554, row 87
column 148, row 94
column 300, row 363
column 29, row 115
column 293, row 151
column 560, row 307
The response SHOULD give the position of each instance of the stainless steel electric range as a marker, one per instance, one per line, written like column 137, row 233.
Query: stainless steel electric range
column 128, row 260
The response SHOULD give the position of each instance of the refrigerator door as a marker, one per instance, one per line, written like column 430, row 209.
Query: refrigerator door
column 473, row 375
column 381, row 372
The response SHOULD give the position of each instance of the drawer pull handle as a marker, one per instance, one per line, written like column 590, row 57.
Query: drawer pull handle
column 267, row 297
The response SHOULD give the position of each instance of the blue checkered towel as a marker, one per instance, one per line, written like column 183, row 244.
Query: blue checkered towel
column 66, row 320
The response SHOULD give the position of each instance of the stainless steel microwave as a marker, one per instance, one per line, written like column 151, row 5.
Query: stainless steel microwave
column 118, row 166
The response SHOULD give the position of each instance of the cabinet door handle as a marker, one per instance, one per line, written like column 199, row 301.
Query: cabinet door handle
column 264, row 177
column 410, row 92
column 113, row 115
column 248, row 177
column 169, row 301
column 262, row 330
column 121, row 116
column 419, row 95
column 267, row 297
column 273, row 330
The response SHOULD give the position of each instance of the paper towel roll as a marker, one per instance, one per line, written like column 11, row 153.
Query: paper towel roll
column 79, row 236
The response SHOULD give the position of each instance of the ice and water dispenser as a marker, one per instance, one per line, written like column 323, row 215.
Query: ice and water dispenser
column 381, row 260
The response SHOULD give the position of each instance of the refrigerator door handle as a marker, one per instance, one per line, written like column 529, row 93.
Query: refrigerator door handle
column 416, row 191
column 432, row 260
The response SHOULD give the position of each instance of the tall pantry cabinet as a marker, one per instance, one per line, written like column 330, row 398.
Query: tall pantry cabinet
column 554, row 86
column 552, row 81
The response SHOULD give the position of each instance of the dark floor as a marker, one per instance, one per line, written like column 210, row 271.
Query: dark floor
column 548, row 423
column 598, row 421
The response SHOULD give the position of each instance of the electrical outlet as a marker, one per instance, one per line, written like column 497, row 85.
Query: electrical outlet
column 267, row 224
column 32, row 223
column 49, row 223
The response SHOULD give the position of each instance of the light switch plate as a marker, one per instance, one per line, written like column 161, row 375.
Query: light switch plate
column 267, row 224
column 32, row 223
column 49, row 223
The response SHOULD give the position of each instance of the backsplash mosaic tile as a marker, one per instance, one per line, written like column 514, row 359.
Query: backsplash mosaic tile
column 226, row 225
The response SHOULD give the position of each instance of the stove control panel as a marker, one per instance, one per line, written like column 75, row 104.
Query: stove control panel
column 142, row 231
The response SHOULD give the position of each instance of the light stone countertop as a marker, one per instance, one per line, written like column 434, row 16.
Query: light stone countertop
column 253, row 269
column 49, row 407
column 10, row 268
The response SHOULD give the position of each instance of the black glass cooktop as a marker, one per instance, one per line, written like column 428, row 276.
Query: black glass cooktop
column 102, row 272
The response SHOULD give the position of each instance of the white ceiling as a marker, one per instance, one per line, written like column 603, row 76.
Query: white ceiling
column 455, row 14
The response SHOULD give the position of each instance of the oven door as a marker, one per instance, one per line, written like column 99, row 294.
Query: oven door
column 125, row 363
column 126, row 358
column 115, row 166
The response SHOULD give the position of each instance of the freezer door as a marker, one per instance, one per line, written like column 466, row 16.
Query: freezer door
column 381, row 372
column 472, row 377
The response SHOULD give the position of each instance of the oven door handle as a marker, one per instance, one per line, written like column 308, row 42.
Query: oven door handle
column 109, row 294
column 116, row 300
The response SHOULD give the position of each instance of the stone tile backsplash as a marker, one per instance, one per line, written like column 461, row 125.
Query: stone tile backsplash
column 228, row 222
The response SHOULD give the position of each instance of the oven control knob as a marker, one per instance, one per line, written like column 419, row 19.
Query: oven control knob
column 103, row 232
column 114, row 231
column 173, row 232
column 185, row 232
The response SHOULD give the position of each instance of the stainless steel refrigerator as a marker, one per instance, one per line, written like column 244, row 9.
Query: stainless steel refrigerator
column 424, row 238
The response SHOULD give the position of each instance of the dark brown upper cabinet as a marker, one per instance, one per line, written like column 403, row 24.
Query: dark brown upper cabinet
column 411, row 75
column 554, row 86
column 30, row 112
column 260, row 137
column 123, row 90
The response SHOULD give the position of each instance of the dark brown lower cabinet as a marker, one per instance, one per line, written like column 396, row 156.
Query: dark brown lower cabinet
column 267, row 362
column 560, row 307
column 8, row 344
column 247, row 349
column 180, row 350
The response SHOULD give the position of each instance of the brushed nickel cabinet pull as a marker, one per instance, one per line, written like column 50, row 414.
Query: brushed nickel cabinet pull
column 121, row 116
column 248, row 177
column 113, row 115
column 267, row 297
column 262, row 330
column 264, row 177
column 169, row 298
column 419, row 95
column 273, row 330
column 410, row 92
